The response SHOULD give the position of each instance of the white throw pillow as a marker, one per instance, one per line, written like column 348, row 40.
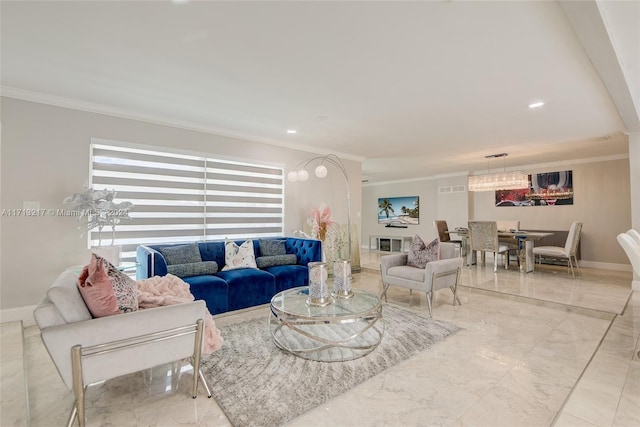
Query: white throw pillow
column 239, row 256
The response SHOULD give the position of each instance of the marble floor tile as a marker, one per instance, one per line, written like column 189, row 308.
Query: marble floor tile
column 535, row 349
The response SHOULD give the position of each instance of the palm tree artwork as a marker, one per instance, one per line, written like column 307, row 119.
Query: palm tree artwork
column 385, row 206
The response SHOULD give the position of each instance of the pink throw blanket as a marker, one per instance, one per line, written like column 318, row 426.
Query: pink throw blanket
column 159, row 291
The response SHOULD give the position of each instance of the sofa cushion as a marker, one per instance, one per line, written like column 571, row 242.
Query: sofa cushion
column 212, row 289
column 248, row 287
column 272, row 261
column 182, row 254
column 289, row 276
column 65, row 296
column 420, row 254
column 193, row 269
column 96, row 289
column 408, row 273
column 272, row 247
column 239, row 256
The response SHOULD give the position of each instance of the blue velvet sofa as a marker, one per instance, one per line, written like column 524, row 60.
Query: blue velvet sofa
column 238, row 288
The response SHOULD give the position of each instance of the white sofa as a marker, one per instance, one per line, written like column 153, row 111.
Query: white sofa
column 87, row 350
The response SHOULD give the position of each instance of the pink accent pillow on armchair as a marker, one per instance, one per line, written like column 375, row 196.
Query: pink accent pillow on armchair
column 96, row 289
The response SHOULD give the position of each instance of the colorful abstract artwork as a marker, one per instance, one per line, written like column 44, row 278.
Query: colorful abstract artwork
column 545, row 189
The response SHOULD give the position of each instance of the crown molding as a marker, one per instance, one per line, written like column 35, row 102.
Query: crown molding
column 562, row 163
column 422, row 178
column 90, row 107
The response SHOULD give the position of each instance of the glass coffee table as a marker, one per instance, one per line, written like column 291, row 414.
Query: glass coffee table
column 345, row 329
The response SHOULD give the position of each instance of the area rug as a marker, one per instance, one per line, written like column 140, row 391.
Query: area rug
column 257, row 384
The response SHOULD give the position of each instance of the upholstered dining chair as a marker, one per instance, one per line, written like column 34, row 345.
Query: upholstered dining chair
column 483, row 237
column 443, row 233
column 631, row 247
column 567, row 252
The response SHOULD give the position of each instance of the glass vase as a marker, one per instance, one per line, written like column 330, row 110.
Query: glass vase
column 318, row 287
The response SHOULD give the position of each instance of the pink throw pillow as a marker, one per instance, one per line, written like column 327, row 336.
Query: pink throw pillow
column 96, row 289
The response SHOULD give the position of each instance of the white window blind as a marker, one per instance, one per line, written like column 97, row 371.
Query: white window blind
column 185, row 197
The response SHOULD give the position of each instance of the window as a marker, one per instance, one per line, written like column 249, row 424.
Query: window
column 181, row 197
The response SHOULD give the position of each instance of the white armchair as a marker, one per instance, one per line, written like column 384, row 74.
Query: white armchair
column 631, row 246
column 86, row 350
column 439, row 274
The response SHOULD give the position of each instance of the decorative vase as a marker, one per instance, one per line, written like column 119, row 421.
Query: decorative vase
column 342, row 278
column 318, row 288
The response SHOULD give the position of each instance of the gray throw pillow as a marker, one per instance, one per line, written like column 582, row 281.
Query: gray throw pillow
column 420, row 254
column 182, row 254
column 193, row 269
column 272, row 247
column 272, row 261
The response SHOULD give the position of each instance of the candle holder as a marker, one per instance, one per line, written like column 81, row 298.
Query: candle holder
column 318, row 288
column 342, row 278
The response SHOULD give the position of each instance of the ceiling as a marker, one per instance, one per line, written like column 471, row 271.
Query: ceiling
column 413, row 89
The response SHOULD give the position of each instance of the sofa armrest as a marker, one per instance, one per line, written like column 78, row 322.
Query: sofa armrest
column 138, row 326
column 395, row 260
column 150, row 263
column 448, row 269
column 443, row 265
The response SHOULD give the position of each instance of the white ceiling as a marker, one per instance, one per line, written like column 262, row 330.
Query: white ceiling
column 414, row 89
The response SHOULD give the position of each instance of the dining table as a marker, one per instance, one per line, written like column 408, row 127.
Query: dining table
column 524, row 239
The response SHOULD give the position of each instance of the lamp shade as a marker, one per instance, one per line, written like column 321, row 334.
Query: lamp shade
column 292, row 176
column 303, row 175
column 321, row 171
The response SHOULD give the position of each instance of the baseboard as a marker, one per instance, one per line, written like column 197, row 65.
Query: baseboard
column 605, row 265
column 19, row 313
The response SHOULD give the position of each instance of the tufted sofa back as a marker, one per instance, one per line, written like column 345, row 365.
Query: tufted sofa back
column 152, row 263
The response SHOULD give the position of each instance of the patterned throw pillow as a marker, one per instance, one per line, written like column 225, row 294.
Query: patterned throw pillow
column 124, row 287
column 239, row 256
column 274, row 260
column 193, row 269
column 182, row 254
column 272, row 247
column 420, row 254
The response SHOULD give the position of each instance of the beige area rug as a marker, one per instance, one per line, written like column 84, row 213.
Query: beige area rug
column 257, row 384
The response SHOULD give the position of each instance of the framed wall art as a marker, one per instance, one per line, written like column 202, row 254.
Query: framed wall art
column 399, row 210
column 545, row 189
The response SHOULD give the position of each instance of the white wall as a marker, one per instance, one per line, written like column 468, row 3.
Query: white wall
column 602, row 202
column 45, row 157
column 634, row 165
column 451, row 207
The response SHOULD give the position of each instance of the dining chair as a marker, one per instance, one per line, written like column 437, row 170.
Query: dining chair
column 567, row 252
column 513, row 244
column 483, row 237
column 443, row 233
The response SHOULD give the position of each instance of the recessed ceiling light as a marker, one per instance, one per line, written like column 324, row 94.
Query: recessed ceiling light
column 292, row 131
column 536, row 104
